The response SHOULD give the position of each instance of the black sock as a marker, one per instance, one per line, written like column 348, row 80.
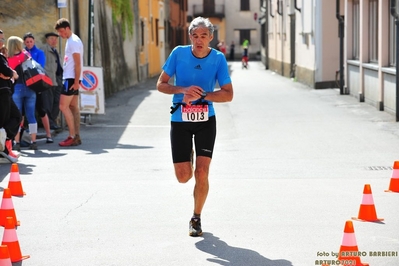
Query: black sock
column 195, row 215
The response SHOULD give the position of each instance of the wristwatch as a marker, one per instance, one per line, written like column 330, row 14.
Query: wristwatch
column 203, row 95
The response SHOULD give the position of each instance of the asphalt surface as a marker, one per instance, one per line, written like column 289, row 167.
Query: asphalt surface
column 289, row 168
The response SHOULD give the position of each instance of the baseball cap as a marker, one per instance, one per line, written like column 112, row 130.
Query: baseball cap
column 51, row 34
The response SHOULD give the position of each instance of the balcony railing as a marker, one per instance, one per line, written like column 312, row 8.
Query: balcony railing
column 209, row 11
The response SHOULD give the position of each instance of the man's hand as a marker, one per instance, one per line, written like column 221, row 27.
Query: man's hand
column 75, row 86
column 191, row 94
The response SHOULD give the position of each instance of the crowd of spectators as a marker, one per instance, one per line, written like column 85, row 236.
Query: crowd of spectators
column 20, row 106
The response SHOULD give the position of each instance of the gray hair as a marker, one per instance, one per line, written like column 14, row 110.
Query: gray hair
column 200, row 22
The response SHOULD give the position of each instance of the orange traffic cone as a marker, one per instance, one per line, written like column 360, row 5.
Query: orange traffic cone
column 394, row 184
column 367, row 210
column 14, row 184
column 348, row 250
column 4, row 256
column 7, row 208
column 11, row 240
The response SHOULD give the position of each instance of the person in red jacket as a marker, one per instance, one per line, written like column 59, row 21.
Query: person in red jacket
column 23, row 96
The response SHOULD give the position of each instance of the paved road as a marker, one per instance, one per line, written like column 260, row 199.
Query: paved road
column 289, row 168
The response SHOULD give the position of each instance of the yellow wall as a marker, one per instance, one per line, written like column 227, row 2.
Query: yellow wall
column 150, row 53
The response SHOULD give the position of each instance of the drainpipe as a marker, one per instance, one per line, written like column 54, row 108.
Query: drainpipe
column 271, row 9
column 296, row 7
column 267, row 37
column 341, row 48
column 396, row 16
column 90, row 60
column 280, row 12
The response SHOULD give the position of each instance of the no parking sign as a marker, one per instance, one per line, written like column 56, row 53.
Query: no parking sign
column 91, row 91
column 89, row 81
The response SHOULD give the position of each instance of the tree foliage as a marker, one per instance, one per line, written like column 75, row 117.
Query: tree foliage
column 122, row 12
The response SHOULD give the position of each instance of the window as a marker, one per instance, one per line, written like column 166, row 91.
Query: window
column 244, row 5
column 263, row 35
column 356, row 30
column 373, row 31
column 245, row 34
column 152, row 29
column 392, row 42
column 156, row 31
column 142, row 34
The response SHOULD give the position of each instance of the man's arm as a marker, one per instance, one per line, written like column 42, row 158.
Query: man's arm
column 225, row 94
column 191, row 93
column 78, row 69
column 165, row 87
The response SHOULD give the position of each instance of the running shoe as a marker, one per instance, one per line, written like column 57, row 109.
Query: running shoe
column 8, row 157
column 9, row 149
column 33, row 146
column 68, row 142
column 49, row 140
column 78, row 141
column 17, row 147
column 195, row 227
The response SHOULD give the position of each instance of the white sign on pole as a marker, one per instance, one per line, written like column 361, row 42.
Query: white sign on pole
column 91, row 92
column 61, row 3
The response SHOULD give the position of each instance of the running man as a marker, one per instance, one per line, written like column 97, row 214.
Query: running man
column 195, row 68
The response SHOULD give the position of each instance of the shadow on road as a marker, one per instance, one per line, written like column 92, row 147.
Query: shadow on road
column 234, row 256
column 119, row 109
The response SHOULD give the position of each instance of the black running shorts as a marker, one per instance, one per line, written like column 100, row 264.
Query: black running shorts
column 66, row 89
column 182, row 134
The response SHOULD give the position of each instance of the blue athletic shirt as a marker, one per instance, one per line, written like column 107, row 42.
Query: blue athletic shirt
column 189, row 70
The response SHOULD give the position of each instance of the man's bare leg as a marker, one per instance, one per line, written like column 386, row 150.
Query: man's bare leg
column 65, row 101
column 74, row 106
column 201, row 187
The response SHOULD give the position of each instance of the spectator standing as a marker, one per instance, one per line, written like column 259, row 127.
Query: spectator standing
column 51, row 98
column 23, row 96
column 232, row 47
column 73, row 64
column 10, row 117
column 222, row 47
column 39, row 56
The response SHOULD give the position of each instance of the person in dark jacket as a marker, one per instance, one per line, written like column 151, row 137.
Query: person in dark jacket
column 53, row 67
column 10, row 117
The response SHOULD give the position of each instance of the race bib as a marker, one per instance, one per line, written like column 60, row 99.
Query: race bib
column 194, row 113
